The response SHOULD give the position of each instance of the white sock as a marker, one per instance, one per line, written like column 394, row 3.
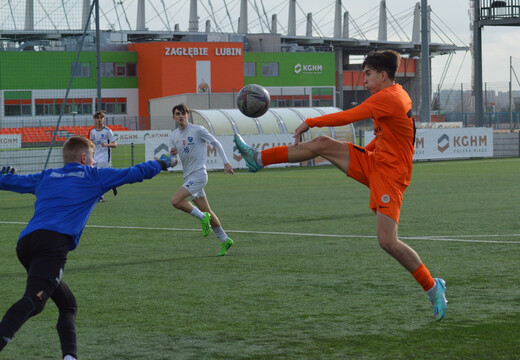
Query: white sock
column 220, row 233
column 259, row 158
column 197, row 213
column 431, row 293
column 69, row 357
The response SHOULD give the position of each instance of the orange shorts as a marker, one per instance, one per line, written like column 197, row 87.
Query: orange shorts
column 386, row 195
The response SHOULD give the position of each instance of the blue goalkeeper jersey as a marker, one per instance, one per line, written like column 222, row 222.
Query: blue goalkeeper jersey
column 65, row 197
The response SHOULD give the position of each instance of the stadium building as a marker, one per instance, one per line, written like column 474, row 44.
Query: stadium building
column 51, row 81
column 140, row 69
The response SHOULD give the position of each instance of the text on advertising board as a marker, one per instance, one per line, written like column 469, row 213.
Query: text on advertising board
column 308, row 69
column 196, row 51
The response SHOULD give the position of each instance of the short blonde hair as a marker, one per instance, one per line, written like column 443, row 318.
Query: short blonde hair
column 74, row 147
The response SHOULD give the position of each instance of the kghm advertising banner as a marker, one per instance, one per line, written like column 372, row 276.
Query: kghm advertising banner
column 450, row 143
column 158, row 145
column 10, row 141
column 139, row 137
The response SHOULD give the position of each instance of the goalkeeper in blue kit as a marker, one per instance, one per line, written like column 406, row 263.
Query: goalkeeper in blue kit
column 65, row 197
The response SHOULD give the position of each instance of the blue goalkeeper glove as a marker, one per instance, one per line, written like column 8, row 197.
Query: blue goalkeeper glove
column 7, row 170
column 167, row 161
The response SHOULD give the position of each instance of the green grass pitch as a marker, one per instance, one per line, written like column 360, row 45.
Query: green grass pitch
column 306, row 278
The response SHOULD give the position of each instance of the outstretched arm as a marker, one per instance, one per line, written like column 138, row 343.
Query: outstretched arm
column 228, row 168
column 360, row 112
column 17, row 183
column 111, row 177
column 340, row 118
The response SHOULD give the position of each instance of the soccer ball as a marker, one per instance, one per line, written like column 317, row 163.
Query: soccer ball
column 253, row 100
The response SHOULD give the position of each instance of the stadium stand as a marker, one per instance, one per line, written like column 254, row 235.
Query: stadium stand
column 42, row 135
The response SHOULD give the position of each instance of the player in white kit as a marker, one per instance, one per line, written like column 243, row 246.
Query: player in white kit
column 105, row 141
column 189, row 143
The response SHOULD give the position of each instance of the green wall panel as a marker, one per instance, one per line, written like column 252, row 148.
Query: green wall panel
column 17, row 95
column 294, row 69
column 51, row 70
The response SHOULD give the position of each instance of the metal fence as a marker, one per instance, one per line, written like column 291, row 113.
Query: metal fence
column 457, row 103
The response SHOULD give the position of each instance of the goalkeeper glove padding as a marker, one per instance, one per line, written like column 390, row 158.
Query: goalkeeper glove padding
column 7, row 170
column 167, row 161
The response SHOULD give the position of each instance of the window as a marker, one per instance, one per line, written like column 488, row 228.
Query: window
column 322, row 101
column 270, row 69
column 249, row 69
column 118, row 69
column 298, row 102
column 17, row 107
column 322, row 97
column 78, row 106
column 131, row 69
column 82, row 70
column 53, row 106
column 290, row 100
column 17, row 103
column 45, row 107
column 113, row 105
column 107, row 69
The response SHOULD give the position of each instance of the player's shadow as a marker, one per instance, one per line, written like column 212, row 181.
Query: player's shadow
column 21, row 206
column 327, row 217
column 71, row 269
column 100, row 266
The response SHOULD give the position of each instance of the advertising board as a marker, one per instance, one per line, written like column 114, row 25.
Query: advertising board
column 450, row 143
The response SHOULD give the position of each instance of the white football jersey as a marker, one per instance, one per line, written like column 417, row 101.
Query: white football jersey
column 191, row 144
column 105, row 135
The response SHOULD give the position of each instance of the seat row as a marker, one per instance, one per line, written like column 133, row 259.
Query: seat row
column 70, row 129
column 43, row 134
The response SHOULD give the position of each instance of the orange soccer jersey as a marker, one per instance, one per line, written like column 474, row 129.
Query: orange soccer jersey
column 393, row 146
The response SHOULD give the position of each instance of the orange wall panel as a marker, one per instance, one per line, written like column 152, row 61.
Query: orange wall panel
column 173, row 68
column 407, row 67
column 353, row 79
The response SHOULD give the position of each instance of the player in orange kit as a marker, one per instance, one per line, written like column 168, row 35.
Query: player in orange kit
column 384, row 165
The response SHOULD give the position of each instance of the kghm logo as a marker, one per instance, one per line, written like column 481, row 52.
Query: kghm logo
column 443, row 143
column 308, row 69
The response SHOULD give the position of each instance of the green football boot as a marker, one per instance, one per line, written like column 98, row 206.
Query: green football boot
column 224, row 247
column 206, row 226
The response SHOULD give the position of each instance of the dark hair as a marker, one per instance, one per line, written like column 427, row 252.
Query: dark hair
column 383, row 60
column 99, row 114
column 183, row 109
column 74, row 147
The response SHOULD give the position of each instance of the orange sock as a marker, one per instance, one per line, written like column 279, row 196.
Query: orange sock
column 423, row 277
column 275, row 155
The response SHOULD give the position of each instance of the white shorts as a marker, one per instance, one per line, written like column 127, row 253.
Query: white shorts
column 195, row 183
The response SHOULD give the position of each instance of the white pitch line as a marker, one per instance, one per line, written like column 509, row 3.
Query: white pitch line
column 482, row 235
column 451, row 238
